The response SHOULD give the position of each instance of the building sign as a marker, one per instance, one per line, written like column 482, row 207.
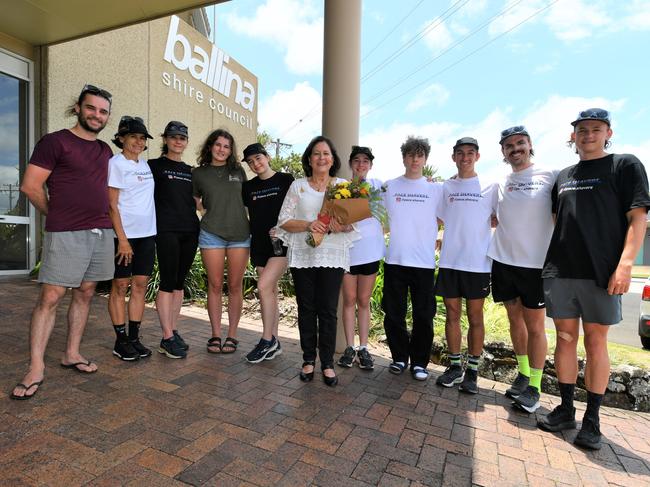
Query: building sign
column 212, row 72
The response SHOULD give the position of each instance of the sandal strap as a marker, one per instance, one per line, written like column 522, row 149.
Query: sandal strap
column 214, row 340
column 232, row 340
column 308, row 362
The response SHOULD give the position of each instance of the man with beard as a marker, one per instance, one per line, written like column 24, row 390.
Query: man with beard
column 78, row 238
column 518, row 249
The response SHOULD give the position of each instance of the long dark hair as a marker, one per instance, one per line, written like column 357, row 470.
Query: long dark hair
column 305, row 156
column 205, row 154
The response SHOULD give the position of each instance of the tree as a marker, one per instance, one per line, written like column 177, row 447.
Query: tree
column 291, row 164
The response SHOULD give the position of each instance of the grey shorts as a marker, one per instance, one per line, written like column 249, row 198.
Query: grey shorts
column 72, row 257
column 581, row 298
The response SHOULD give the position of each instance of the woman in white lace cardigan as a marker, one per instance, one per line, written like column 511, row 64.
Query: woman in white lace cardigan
column 317, row 271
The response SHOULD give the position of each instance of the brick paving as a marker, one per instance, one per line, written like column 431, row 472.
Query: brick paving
column 215, row 420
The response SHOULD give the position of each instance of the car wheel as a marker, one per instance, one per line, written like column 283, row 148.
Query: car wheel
column 645, row 341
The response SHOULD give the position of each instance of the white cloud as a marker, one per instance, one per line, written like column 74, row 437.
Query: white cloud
column 638, row 17
column 437, row 37
column 293, row 26
column 548, row 122
column 572, row 20
column 518, row 13
column 434, row 94
column 280, row 114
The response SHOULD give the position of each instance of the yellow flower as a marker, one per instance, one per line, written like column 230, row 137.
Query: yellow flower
column 337, row 196
column 344, row 184
column 345, row 193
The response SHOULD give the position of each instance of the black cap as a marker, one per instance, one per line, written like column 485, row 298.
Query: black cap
column 593, row 114
column 359, row 149
column 516, row 130
column 253, row 149
column 466, row 141
column 132, row 125
column 175, row 128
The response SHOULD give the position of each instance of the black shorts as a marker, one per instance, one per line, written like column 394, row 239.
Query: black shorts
column 452, row 283
column 510, row 282
column 260, row 259
column 144, row 252
column 364, row 269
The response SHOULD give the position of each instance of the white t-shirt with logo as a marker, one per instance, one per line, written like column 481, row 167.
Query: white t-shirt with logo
column 136, row 203
column 466, row 209
column 525, row 218
column 371, row 246
column 411, row 206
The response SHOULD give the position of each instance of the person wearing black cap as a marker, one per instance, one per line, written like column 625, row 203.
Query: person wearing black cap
column 518, row 249
column 133, row 214
column 600, row 206
column 466, row 208
column 178, row 233
column 263, row 196
column 359, row 282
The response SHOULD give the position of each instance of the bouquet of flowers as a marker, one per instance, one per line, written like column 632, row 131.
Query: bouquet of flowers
column 349, row 202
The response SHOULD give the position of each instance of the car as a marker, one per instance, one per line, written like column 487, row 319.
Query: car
column 644, row 315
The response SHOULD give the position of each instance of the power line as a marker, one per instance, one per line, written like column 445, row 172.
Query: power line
column 430, row 26
column 442, row 53
column 483, row 46
column 391, row 31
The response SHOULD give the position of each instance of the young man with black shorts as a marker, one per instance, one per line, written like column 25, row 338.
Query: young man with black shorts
column 410, row 262
column 78, row 238
column 600, row 206
column 518, row 249
column 466, row 208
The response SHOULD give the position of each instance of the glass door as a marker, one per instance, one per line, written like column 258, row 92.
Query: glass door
column 16, row 221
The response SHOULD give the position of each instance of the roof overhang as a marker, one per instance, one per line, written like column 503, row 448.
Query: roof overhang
column 42, row 22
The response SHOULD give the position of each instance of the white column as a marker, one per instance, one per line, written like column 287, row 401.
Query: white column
column 341, row 86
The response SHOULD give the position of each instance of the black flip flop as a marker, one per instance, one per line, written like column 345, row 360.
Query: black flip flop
column 26, row 387
column 75, row 367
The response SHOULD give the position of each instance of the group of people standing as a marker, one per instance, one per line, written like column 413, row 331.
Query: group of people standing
column 564, row 242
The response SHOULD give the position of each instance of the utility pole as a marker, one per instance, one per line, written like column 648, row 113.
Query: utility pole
column 278, row 146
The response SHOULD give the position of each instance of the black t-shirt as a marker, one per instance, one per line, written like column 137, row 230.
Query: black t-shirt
column 264, row 198
column 175, row 206
column 590, row 200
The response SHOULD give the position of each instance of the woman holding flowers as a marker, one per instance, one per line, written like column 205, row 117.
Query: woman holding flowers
column 318, row 255
column 359, row 281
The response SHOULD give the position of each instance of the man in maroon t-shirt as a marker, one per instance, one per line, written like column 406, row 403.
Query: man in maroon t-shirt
column 78, row 238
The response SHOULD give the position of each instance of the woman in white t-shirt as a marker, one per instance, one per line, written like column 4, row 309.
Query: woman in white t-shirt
column 133, row 214
column 359, row 281
column 317, row 270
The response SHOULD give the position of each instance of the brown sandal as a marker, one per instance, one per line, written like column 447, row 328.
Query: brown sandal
column 214, row 342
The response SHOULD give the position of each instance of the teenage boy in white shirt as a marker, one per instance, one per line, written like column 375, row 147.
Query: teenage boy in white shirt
column 410, row 262
column 466, row 208
column 518, row 249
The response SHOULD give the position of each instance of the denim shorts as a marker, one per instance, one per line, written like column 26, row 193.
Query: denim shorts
column 209, row 240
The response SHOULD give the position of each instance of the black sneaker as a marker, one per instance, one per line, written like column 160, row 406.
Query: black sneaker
column 528, row 400
column 180, row 341
column 518, row 386
column 172, row 348
column 470, row 382
column 365, row 359
column 559, row 419
column 274, row 353
column 589, row 435
column 125, row 351
column 261, row 350
column 143, row 351
column 451, row 376
column 347, row 359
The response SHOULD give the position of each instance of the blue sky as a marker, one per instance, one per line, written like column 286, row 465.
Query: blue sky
column 476, row 67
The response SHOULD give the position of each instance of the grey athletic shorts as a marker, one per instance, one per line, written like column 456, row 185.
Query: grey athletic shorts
column 581, row 298
column 72, row 257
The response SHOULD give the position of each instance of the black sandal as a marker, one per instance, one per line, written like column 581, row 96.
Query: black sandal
column 231, row 343
column 214, row 342
column 307, row 376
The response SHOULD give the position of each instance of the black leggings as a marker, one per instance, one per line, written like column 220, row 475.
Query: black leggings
column 176, row 251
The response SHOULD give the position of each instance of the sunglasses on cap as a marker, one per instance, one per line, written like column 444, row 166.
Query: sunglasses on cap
column 593, row 114
column 94, row 90
column 516, row 130
column 172, row 127
column 129, row 118
column 360, row 149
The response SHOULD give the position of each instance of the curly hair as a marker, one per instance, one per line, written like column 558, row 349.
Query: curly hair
column 416, row 145
column 307, row 154
column 205, row 154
